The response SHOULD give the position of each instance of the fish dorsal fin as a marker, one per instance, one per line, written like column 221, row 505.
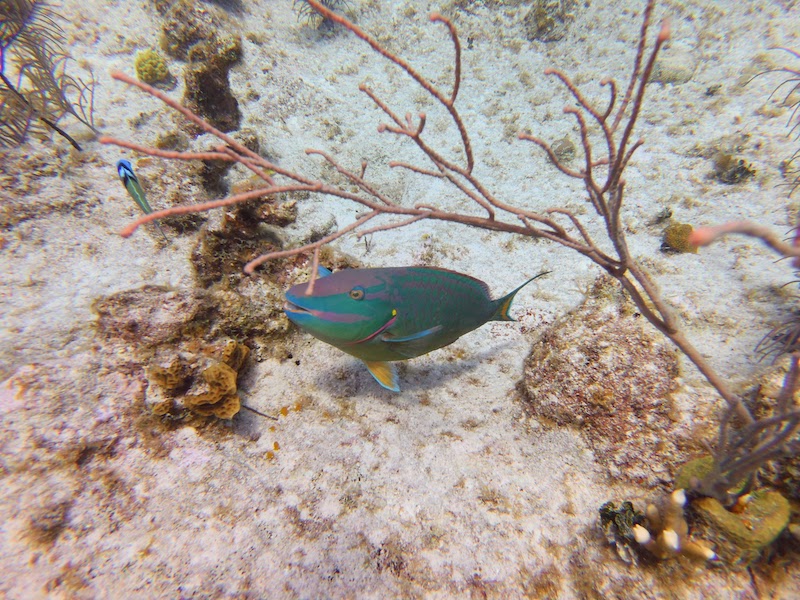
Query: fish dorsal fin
column 412, row 345
column 384, row 373
column 323, row 272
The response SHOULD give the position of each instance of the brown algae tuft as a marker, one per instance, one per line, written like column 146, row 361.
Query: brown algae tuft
column 676, row 239
column 151, row 67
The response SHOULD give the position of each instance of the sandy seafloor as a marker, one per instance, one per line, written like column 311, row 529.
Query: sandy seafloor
column 449, row 488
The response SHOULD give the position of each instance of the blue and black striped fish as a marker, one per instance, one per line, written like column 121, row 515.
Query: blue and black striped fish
column 131, row 183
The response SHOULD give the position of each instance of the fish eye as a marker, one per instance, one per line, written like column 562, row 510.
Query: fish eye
column 357, row 293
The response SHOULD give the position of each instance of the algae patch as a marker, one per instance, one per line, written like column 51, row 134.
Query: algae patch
column 740, row 537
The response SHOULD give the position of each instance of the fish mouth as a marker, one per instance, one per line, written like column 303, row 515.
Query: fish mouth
column 289, row 306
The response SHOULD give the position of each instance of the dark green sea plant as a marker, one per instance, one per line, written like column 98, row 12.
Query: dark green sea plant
column 36, row 91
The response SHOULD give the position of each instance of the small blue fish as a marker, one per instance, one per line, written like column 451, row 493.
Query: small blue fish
column 131, row 183
column 385, row 315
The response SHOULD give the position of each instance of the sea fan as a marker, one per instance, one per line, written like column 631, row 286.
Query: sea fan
column 789, row 89
column 35, row 90
column 309, row 16
column 785, row 338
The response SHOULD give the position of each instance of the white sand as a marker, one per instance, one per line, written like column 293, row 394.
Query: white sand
column 446, row 489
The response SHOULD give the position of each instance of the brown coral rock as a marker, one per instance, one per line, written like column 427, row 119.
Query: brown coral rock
column 225, row 407
column 741, row 537
column 211, row 383
column 603, row 369
column 234, row 354
column 170, row 377
column 220, row 398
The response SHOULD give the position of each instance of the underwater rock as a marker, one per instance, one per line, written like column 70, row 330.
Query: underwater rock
column 739, row 537
column 548, row 20
column 185, row 23
column 696, row 470
column 563, row 149
column 172, row 140
column 213, row 172
column 240, row 235
column 146, row 317
column 603, row 369
column 675, row 67
column 153, row 317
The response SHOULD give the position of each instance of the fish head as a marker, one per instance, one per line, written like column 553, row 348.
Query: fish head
column 345, row 308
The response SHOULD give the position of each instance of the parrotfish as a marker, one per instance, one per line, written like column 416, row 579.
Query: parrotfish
column 391, row 314
column 131, row 183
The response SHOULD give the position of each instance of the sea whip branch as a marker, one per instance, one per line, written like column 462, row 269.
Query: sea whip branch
column 606, row 199
column 703, row 236
column 448, row 103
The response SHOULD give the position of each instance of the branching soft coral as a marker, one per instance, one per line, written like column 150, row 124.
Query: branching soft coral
column 32, row 53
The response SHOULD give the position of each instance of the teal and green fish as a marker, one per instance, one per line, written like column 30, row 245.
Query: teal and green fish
column 131, row 183
column 391, row 314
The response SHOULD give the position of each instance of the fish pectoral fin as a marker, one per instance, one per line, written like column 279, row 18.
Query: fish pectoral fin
column 384, row 373
column 410, row 338
column 412, row 345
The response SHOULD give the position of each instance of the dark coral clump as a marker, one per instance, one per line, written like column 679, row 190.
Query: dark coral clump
column 245, row 232
column 729, row 169
column 547, row 20
column 208, row 90
column 185, row 24
column 190, row 32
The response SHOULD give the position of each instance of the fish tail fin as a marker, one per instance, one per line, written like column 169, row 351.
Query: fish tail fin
column 503, row 305
column 166, row 239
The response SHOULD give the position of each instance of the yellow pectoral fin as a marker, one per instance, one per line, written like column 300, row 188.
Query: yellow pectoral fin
column 384, row 373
